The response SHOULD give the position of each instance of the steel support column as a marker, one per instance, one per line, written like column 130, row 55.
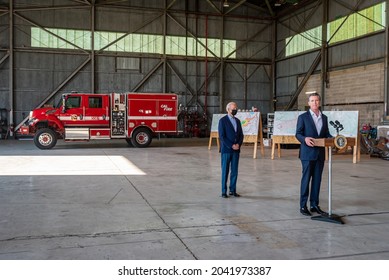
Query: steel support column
column 273, row 67
column 164, row 68
column 221, row 72
column 11, row 67
column 386, row 78
column 324, row 53
column 93, row 53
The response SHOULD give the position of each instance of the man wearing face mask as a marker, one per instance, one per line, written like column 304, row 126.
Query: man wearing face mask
column 231, row 139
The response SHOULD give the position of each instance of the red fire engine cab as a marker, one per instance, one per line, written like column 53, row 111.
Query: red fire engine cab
column 135, row 117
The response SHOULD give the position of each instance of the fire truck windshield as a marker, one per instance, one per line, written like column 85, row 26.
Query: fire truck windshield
column 59, row 103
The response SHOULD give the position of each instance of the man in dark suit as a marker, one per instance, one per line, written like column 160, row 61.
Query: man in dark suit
column 310, row 125
column 231, row 139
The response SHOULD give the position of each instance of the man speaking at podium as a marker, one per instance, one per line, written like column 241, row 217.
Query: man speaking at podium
column 310, row 125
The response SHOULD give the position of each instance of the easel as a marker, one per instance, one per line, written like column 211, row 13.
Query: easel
column 281, row 139
column 214, row 135
column 247, row 139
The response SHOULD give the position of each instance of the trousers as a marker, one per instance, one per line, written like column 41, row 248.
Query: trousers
column 230, row 163
column 312, row 172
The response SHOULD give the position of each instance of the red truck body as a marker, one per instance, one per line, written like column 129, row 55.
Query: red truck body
column 136, row 117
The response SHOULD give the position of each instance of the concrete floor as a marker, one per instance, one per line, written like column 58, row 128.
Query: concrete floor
column 105, row 200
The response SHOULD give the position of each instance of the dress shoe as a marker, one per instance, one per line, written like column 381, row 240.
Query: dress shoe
column 235, row 194
column 224, row 195
column 305, row 211
column 317, row 210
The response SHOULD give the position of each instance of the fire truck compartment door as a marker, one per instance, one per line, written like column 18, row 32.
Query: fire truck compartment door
column 167, row 110
column 100, row 133
column 76, row 133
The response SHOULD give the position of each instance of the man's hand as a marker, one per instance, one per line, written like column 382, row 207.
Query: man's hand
column 309, row 141
column 235, row 147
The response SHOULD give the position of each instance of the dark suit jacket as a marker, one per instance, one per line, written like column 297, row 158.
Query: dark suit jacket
column 306, row 128
column 228, row 136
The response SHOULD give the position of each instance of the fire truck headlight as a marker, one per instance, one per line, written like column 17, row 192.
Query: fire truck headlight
column 31, row 121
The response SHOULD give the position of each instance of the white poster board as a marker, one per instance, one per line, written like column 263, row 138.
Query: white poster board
column 285, row 122
column 251, row 126
column 249, row 120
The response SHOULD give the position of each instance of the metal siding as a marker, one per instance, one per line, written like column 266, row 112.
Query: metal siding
column 357, row 51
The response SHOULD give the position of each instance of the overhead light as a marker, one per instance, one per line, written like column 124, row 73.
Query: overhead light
column 225, row 4
column 279, row 3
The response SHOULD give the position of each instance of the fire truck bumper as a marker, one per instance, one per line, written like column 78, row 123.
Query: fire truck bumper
column 24, row 130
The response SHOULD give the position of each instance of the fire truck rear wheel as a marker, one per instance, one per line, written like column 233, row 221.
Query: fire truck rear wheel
column 141, row 138
column 45, row 138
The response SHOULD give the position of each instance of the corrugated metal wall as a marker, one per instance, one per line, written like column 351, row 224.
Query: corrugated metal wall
column 204, row 84
column 368, row 51
column 40, row 74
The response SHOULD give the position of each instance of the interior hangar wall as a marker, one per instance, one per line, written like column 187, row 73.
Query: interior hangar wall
column 203, row 83
column 355, row 69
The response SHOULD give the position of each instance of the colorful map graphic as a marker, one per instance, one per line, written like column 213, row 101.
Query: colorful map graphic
column 249, row 121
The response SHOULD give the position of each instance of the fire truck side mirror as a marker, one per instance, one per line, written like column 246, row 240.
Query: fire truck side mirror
column 63, row 110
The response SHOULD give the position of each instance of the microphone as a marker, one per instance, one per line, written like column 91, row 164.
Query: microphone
column 337, row 123
column 332, row 123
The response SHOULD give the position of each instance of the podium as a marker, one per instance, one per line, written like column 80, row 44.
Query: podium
column 329, row 143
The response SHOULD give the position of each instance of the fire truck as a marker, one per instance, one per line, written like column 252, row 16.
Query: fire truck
column 135, row 117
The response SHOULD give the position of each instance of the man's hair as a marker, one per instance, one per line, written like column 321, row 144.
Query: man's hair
column 228, row 105
column 314, row 94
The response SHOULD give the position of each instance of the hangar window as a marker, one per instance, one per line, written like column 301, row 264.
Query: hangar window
column 137, row 43
column 345, row 28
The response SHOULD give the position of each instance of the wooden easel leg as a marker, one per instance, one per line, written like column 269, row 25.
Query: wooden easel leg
column 262, row 149
column 210, row 143
column 273, row 147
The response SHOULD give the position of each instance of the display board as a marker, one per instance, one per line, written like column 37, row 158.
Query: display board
column 251, row 126
column 285, row 123
column 249, row 121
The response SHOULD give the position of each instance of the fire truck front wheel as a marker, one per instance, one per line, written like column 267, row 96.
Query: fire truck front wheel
column 45, row 139
column 141, row 138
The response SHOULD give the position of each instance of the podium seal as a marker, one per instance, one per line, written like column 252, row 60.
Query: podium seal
column 340, row 141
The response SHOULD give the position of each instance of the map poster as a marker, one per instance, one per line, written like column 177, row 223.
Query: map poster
column 348, row 119
column 285, row 122
column 249, row 120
